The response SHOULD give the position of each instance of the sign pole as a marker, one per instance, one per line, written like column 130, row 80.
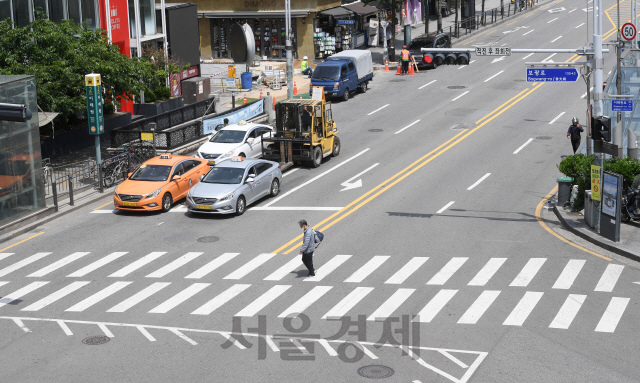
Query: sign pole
column 95, row 118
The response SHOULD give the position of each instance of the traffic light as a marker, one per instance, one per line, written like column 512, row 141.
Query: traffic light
column 14, row 112
column 601, row 128
column 440, row 58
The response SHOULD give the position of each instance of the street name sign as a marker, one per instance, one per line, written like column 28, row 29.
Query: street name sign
column 493, row 51
column 93, row 88
column 628, row 31
column 552, row 74
column 622, row 105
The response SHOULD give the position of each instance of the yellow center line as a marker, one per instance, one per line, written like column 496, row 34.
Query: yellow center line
column 108, row 203
column 498, row 108
column 512, row 22
column 528, row 16
column 544, row 225
column 469, row 42
column 408, row 172
column 23, row 241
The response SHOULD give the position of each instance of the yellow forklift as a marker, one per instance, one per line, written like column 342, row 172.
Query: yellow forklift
column 304, row 133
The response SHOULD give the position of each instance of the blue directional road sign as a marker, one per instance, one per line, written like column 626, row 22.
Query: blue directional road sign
column 622, row 105
column 552, row 74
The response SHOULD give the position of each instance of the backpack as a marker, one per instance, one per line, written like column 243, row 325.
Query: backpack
column 318, row 237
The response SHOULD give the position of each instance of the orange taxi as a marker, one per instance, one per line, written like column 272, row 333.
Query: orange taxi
column 159, row 182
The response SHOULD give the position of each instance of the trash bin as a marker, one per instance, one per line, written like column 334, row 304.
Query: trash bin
column 245, row 80
column 392, row 54
column 564, row 190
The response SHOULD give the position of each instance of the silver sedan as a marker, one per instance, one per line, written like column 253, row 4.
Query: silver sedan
column 233, row 185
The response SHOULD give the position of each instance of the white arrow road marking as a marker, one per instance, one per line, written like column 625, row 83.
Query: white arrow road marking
column 408, row 126
column 556, row 10
column 315, row 178
column 352, row 185
column 555, row 119
column 498, row 59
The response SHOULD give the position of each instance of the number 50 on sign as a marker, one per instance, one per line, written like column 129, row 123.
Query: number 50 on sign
column 628, row 31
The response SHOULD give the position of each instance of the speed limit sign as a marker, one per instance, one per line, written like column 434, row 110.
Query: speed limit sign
column 628, row 31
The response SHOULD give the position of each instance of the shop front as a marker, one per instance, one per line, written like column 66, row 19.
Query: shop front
column 341, row 28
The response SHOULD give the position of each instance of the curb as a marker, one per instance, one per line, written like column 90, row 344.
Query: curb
column 51, row 217
column 606, row 246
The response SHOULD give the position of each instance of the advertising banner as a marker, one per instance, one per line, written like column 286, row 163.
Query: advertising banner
column 251, row 110
column 610, row 195
column 596, row 186
column 119, row 19
column 94, row 103
column 176, row 89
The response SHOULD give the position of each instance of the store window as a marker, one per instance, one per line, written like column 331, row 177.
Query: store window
column 40, row 7
column 5, row 9
column 74, row 11
column 21, row 12
column 147, row 17
column 90, row 13
column 269, row 36
column 57, row 10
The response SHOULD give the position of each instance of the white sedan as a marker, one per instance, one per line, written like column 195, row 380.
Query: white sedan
column 242, row 139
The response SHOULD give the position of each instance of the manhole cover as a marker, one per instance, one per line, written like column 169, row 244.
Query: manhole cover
column 376, row 130
column 398, row 80
column 457, row 87
column 543, row 138
column 94, row 340
column 459, row 127
column 375, row 372
column 208, row 239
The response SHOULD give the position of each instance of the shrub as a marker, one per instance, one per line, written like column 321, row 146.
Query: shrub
column 163, row 93
column 150, row 96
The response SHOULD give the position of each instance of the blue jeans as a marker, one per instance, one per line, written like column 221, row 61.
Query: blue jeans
column 308, row 71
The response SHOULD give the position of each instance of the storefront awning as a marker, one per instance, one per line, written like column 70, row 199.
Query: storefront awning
column 336, row 12
column 249, row 14
column 360, row 8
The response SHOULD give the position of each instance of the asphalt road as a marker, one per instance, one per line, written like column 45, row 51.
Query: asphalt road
column 441, row 239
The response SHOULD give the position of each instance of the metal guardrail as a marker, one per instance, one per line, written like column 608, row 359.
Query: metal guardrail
column 489, row 17
column 164, row 124
column 80, row 174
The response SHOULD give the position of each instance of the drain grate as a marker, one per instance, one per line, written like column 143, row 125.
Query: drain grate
column 398, row 80
column 95, row 340
column 208, row 239
column 543, row 138
column 375, row 372
column 457, row 87
column 376, row 130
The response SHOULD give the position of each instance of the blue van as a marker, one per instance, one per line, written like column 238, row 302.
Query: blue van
column 344, row 73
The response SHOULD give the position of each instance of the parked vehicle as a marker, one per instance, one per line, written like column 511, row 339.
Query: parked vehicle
column 630, row 209
column 234, row 185
column 242, row 139
column 432, row 40
column 344, row 73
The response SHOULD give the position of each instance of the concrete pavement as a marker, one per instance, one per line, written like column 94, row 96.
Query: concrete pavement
column 444, row 227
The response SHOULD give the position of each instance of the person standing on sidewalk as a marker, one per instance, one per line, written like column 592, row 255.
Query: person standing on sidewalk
column 405, row 59
column 308, row 246
column 574, row 134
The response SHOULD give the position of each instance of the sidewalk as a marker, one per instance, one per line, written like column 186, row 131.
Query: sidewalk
column 629, row 245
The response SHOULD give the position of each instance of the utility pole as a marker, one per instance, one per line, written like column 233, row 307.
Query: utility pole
column 598, row 59
column 287, row 10
column 618, row 74
column 425, row 15
column 439, row 6
column 392, row 49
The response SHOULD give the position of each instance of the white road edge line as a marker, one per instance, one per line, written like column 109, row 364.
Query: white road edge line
column 408, row 126
column 316, row 177
column 528, row 33
column 530, row 54
column 494, row 76
column 478, row 181
column 556, row 39
column 460, row 96
column 579, row 26
column 428, row 84
column 377, row 110
column 445, row 207
column 555, row 119
column 523, row 145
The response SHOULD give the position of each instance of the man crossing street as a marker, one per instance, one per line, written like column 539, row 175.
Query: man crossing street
column 574, row 134
column 308, row 246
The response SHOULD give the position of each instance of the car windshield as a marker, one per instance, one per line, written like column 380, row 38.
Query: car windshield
column 228, row 136
column 151, row 173
column 326, row 72
column 219, row 175
column 421, row 43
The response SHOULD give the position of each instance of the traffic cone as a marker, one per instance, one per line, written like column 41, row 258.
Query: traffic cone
column 386, row 66
column 260, row 93
column 411, row 69
column 399, row 71
column 295, row 89
column 245, row 99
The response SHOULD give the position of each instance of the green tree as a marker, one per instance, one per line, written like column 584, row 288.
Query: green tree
column 60, row 55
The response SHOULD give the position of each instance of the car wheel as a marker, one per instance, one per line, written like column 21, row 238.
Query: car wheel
column 336, row 147
column 241, row 205
column 166, row 202
column 346, row 95
column 242, row 155
column 363, row 87
column 317, row 157
column 275, row 187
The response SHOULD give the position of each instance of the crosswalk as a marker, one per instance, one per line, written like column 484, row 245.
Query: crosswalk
column 403, row 286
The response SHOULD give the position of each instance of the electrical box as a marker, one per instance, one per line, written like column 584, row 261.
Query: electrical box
column 196, row 89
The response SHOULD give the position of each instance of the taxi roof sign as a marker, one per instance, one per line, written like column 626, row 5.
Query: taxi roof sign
column 165, row 156
column 237, row 159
